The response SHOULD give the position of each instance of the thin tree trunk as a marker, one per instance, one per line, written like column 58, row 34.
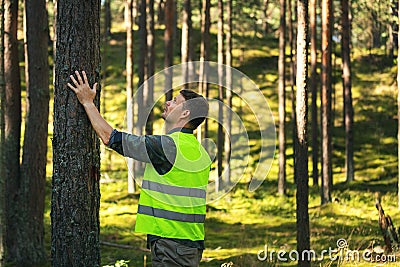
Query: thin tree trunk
column 149, row 92
column 303, row 225
column 326, row 100
column 76, row 157
column 314, row 90
column 12, row 136
column 169, row 46
column 282, row 98
column 220, row 135
column 107, row 18
column 204, row 56
column 140, row 122
column 2, row 143
column 348, row 101
column 34, row 159
column 186, row 38
column 292, row 42
column 228, row 129
column 129, row 87
column 398, row 105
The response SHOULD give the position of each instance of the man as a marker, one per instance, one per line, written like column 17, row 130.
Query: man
column 172, row 204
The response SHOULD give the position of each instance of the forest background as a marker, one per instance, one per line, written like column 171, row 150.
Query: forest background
column 242, row 223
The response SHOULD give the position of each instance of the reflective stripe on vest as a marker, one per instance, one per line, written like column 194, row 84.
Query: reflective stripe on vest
column 172, row 215
column 174, row 190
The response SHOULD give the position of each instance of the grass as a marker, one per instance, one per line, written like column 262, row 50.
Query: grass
column 243, row 223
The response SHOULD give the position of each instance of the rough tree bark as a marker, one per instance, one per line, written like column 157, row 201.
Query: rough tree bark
column 76, row 157
column 302, row 217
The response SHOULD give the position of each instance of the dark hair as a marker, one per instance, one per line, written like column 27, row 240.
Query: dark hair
column 197, row 105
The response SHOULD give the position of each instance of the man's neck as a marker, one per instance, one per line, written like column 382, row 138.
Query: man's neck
column 169, row 127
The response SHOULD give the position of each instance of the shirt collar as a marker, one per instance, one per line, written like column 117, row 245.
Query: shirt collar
column 182, row 130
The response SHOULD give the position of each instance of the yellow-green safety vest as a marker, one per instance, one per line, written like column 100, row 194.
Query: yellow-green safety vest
column 173, row 205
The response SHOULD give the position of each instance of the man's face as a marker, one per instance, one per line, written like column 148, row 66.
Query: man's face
column 173, row 109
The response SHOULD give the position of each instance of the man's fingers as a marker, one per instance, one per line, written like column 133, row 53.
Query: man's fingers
column 79, row 77
column 85, row 77
column 73, row 88
column 95, row 87
column 74, row 81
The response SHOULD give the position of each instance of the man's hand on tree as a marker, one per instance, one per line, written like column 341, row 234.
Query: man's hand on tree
column 82, row 89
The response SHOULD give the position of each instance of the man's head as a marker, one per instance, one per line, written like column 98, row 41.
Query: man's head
column 188, row 108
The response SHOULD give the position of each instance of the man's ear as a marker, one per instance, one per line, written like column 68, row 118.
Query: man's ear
column 186, row 113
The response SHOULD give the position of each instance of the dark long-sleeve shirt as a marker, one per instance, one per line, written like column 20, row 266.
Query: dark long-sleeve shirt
column 160, row 151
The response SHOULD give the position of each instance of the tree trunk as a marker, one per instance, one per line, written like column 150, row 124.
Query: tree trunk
column 292, row 42
column 282, row 98
column 186, row 46
column 107, row 18
column 12, row 136
column 2, row 143
column 204, row 56
column 220, row 136
column 303, row 226
column 326, row 100
column 149, row 92
column 228, row 129
column 76, row 157
column 314, row 90
column 398, row 104
column 348, row 101
column 34, row 159
column 161, row 12
column 169, row 46
column 140, row 122
column 129, row 87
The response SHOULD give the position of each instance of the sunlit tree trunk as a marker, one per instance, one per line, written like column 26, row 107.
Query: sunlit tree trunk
column 76, row 148
column 292, row 43
column 348, row 101
column 220, row 135
column 12, row 136
column 303, row 225
column 326, row 100
column 228, row 129
column 282, row 98
column 129, row 21
column 314, row 90
column 169, row 46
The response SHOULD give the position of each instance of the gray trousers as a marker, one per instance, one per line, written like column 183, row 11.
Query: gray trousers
column 168, row 253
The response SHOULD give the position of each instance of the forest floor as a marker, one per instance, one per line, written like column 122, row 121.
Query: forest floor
column 249, row 228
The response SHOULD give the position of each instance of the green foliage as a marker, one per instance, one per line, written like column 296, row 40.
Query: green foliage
column 119, row 263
